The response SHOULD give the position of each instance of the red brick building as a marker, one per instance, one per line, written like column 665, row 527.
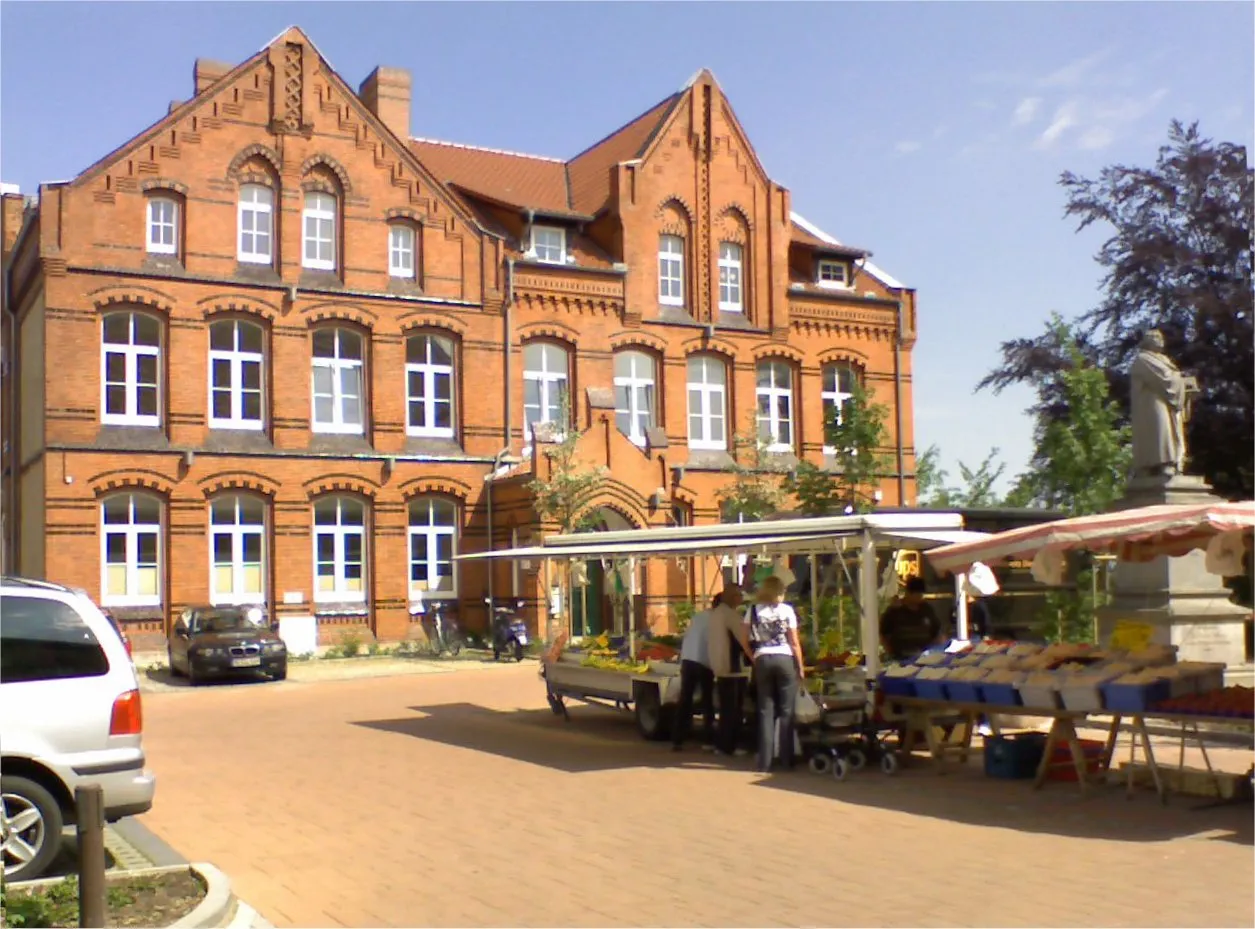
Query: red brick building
column 269, row 350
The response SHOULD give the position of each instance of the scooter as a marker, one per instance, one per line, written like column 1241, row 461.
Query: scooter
column 509, row 632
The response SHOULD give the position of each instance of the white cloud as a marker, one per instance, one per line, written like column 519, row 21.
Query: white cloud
column 1026, row 111
column 906, row 147
column 940, row 131
column 984, row 104
column 1074, row 72
column 1065, row 118
column 1096, row 137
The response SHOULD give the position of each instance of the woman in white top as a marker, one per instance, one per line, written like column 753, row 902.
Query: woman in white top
column 769, row 634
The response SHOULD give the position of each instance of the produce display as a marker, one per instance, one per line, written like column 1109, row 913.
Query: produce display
column 1235, row 701
column 1082, row 678
column 615, row 654
column 615, row 664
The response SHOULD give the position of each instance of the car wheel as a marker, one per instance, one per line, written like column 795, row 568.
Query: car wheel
column 281, row 673
column 174, row 670
column 30, row 828
column 192, row 677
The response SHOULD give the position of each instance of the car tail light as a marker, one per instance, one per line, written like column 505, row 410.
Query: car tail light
column 128, row 715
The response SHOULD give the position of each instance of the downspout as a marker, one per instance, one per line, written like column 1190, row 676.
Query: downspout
column 897, row 406
column 9, row 495
column 508, row 323
column 508, row 319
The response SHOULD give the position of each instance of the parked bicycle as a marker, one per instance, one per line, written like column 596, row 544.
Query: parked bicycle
column 443, row 633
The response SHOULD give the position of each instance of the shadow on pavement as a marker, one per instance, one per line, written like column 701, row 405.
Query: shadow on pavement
column 601, row 740
column 965, row 795
column 594, row 740
column 162, row 675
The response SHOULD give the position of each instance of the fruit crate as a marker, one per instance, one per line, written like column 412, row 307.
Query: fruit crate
column 1083, row 696
column 1014, row 757
column 1039, row 696
column 964, row 691
column 1000, row 694
column 1135, row 698
column 931, row 688
column 896, row 686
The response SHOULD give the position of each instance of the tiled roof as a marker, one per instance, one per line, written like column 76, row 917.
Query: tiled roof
column 589, row 171
column 507, row 177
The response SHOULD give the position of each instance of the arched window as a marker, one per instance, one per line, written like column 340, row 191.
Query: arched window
column 838, row 388
column 235, row 369
column 130, row 550
column 256, row 224
column 634, row 394
column 163, row 225
column 402, row 254
column 338, row 379
column 545, row 374
column 339, row 550
column 433, row 532
column 130, row 369
column 318, row 221
column 429, row 386
column 671, row 270
column 775, row 405
column 731, row 292
column 237, row 545
column 708, row 403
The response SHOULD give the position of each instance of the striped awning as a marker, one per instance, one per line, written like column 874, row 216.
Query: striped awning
column 1140, row 534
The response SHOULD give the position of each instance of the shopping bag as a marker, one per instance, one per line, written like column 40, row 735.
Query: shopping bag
column 805, row 710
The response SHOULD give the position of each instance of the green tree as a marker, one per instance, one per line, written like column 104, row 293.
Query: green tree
column 563, row 496
column 978, row 487
column 857, row 436
column 1178, row 259
column 754, row 491
column 1080, row 460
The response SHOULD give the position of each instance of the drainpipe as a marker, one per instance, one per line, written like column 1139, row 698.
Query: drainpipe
column 508, row 324
column 897, row 405
column 490, row 479
column 8, row 494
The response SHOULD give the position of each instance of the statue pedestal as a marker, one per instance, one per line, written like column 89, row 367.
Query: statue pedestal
column 1175, row 601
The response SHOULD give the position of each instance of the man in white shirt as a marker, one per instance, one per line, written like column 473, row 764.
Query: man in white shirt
column 695, row 673
column 725, row 663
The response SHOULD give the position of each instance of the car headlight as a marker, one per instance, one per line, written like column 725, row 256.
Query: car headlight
column 273, row 647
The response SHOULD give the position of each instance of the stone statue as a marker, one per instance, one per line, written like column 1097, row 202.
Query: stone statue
column 1159, row 403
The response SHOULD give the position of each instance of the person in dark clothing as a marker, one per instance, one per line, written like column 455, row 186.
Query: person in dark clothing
column 769, row 637
column 695, row 674
column 979, row 622
column 910, row 626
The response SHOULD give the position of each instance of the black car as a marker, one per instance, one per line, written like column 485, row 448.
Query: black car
column 217, row 641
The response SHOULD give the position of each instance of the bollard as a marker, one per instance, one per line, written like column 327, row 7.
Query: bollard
column 90, row 805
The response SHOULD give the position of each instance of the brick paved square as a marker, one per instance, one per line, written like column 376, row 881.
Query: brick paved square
column 458, row 799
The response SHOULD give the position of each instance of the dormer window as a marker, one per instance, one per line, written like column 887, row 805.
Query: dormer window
column 832, row 273
column 163, row 226
column 549, row 244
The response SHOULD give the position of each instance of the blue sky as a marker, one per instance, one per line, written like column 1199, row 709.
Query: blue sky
column 931, row 133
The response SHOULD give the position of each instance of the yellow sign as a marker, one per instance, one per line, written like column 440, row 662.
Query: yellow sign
column 907, row 565
column 1131, row 636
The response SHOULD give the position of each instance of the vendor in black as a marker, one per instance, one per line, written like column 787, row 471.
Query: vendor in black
column 909, row 626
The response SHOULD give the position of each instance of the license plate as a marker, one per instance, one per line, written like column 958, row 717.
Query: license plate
column 245, row 662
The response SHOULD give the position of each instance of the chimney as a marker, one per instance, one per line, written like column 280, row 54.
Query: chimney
column 207, row 73
column 386, row 93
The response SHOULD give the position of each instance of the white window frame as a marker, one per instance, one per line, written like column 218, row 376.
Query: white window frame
column 156, row 225
column 432, row 532
column 550, row 382
column 256, row 200
column 131, row 531
column 825, row 265
column 236, row 358
column 712, row 396
column 642, row 393
column 671, row 270
column 340, row 532
column 535, row 247
column 731, row 265
column 131, row 352
column 833, row 400
column 430, row 371
column 320, row 208
column 773, row 392
column 402, row 246
column 237, row 531
column 338, row 365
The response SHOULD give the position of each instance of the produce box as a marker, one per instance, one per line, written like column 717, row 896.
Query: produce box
column 964, row 691
column 1040, row 692
column 1061, row 766
column 1193, row 782
column 1135, row 697
column 1082, row 695
column 1014, row 757
column 931, row 688
column 896, row 686
column 1000, row 694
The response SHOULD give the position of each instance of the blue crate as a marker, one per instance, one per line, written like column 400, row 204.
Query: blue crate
column 964, row 691
column 896, row 686
column 927, row 689
column 1134, row 698
column 1014, row 757
column 1001, row 695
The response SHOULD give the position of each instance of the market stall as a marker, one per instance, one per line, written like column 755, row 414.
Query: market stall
column 1068, row 684
column 623, row 678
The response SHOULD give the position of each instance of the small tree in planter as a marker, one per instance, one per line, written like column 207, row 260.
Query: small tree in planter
column 755, row 491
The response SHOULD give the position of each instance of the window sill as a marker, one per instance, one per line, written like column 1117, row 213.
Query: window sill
column 340, row 444
column 257, row 273
column 317, row 277
column 430, row 445
column 160, row 261
column 405, row 286
column 113, row 436
column 237, row 440
column 338, row 607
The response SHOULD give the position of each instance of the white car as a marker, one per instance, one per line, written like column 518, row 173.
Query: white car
column 71, row 716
